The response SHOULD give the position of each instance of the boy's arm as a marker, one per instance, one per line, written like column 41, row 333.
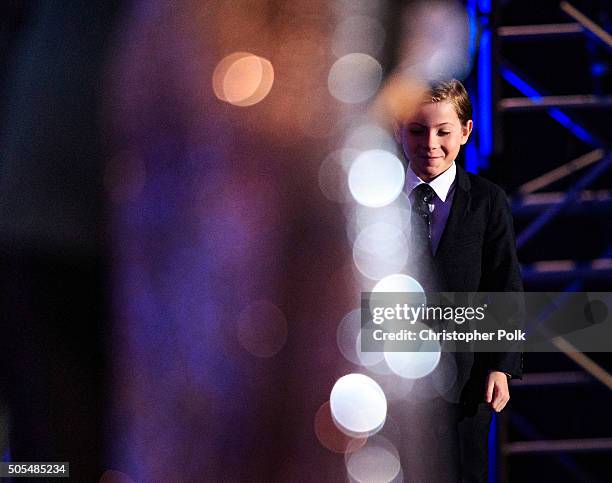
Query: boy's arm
column 501, row 272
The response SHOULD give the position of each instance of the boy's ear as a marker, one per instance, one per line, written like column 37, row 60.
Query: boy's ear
column 466, row 131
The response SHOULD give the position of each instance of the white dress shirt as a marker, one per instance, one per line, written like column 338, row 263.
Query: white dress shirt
column 444, row 187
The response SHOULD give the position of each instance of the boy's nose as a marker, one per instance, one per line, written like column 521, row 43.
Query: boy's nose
column 432, row 141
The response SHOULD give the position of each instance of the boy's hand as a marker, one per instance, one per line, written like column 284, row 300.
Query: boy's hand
column 497, row 394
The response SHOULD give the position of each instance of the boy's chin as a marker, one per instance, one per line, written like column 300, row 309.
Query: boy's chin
column 431, row 170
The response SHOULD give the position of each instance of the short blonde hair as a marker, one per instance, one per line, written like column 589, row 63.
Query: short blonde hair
column 453, row 92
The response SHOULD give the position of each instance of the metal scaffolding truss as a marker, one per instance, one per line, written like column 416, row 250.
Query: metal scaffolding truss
column 559, row 108
column 531, row 201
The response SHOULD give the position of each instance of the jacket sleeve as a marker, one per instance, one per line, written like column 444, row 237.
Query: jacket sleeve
column 501, row 273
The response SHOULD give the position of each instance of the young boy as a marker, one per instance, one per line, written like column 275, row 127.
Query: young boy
column 468, row 246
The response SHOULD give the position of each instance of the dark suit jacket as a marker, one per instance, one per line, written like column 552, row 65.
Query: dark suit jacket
column 477, row 253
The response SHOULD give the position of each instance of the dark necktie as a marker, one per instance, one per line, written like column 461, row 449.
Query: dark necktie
column 422, row 260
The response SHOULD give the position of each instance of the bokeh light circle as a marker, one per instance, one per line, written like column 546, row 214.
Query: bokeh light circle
column 358, row 405
column 348, row 338
column 354, row 78
column 396, row 214
column 381, row 249
column 330, row 436
column 378, row 460
column 376, row 178
column 440, row 40
column 419, row 362
column 371, row 360
column 243, row 79
column 262, row 329
column 370, row 136
column 333, row 174
column 399, row 283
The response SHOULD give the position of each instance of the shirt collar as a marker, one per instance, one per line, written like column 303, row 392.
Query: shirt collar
column 441, row 184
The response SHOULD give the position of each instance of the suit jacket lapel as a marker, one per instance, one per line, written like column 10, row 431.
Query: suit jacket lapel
column 458, row 211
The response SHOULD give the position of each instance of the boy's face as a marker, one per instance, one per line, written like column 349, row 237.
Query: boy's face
column 431, row 139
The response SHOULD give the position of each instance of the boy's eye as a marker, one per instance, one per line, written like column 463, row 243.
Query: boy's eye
column 415, row 131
